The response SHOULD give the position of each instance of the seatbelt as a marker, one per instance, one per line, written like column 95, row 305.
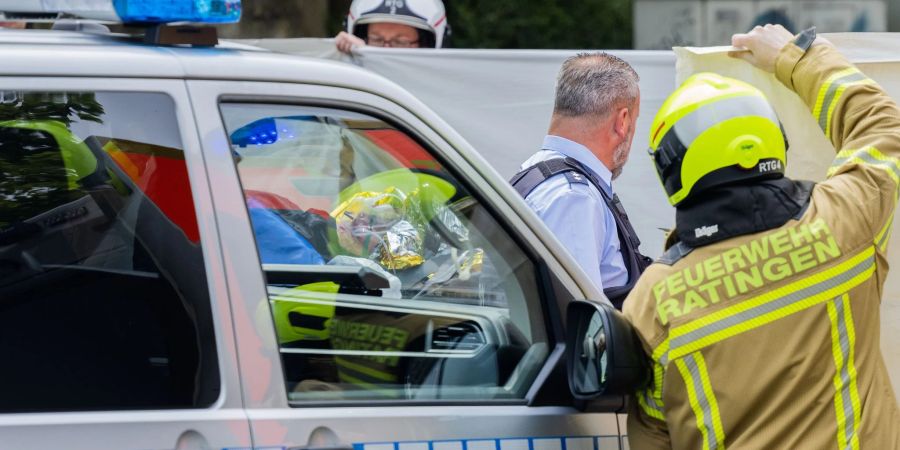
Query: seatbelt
column 528, row 179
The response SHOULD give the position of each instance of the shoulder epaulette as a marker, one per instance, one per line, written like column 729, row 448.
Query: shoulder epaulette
column 576, row 178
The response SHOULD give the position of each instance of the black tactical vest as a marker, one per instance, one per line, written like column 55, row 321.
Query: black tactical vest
column 528, row 179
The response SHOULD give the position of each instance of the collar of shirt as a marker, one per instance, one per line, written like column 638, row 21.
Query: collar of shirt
column 581, row 154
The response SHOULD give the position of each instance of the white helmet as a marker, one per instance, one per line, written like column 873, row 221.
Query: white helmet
column 426, row 15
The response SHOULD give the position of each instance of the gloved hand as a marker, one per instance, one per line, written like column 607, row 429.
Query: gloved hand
column 763, row 45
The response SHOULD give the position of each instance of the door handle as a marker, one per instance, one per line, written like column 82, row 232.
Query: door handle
column 323, row 438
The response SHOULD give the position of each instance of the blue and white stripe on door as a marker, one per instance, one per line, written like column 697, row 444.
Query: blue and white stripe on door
column 608, row 442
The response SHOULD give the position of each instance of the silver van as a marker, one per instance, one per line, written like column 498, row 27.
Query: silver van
column 215, row 246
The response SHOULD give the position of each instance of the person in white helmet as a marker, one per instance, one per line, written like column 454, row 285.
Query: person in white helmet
column 394, row 23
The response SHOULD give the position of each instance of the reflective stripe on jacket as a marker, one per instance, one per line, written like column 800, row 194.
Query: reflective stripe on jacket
column 771, row 340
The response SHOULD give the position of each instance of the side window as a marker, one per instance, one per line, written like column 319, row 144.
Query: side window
column 386, row 278
column 103, row 297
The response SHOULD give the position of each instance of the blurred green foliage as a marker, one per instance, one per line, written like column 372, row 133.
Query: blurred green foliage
column 337, row 15
column 63, row 107
column 563, row 24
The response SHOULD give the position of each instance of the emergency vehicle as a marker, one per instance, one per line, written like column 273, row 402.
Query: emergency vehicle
column 210, row 245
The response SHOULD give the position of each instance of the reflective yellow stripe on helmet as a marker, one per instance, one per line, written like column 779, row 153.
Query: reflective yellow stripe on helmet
column 702, row 399
column 664, row 126
column 846, row 399
column 697, row 91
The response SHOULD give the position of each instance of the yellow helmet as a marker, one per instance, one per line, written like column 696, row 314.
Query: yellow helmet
column 715, row 130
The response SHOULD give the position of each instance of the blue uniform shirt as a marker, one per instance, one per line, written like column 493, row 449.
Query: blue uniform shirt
column 577, row 215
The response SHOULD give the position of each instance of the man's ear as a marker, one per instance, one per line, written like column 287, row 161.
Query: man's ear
column 622, row 122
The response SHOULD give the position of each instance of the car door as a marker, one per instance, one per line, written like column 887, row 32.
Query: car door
column 384, row 297
column 114, row 319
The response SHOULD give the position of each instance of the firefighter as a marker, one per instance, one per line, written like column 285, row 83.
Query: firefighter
column 761, row 320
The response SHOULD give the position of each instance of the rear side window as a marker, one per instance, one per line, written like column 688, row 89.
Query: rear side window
column 104, row 303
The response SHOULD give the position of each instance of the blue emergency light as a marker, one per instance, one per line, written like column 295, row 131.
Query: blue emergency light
column 132, row 11
column 160, row 11
column 270, row 130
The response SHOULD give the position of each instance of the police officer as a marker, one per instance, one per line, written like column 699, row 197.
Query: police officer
column 762, row 317
column 394, row 23
column 568, row 183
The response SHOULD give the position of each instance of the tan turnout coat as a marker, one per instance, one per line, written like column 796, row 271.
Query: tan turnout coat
column 771, row 340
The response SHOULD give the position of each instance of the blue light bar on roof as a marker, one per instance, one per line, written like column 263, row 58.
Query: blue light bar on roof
column 131, row 11
column 205, row 11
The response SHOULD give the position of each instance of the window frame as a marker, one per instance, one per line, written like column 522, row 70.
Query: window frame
column 551, row 318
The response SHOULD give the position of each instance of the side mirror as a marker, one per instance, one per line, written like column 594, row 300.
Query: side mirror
column 603, row 352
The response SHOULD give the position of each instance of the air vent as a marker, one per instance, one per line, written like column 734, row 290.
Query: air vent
column 462, row 336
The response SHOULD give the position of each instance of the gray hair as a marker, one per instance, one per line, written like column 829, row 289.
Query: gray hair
column 595, row 84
